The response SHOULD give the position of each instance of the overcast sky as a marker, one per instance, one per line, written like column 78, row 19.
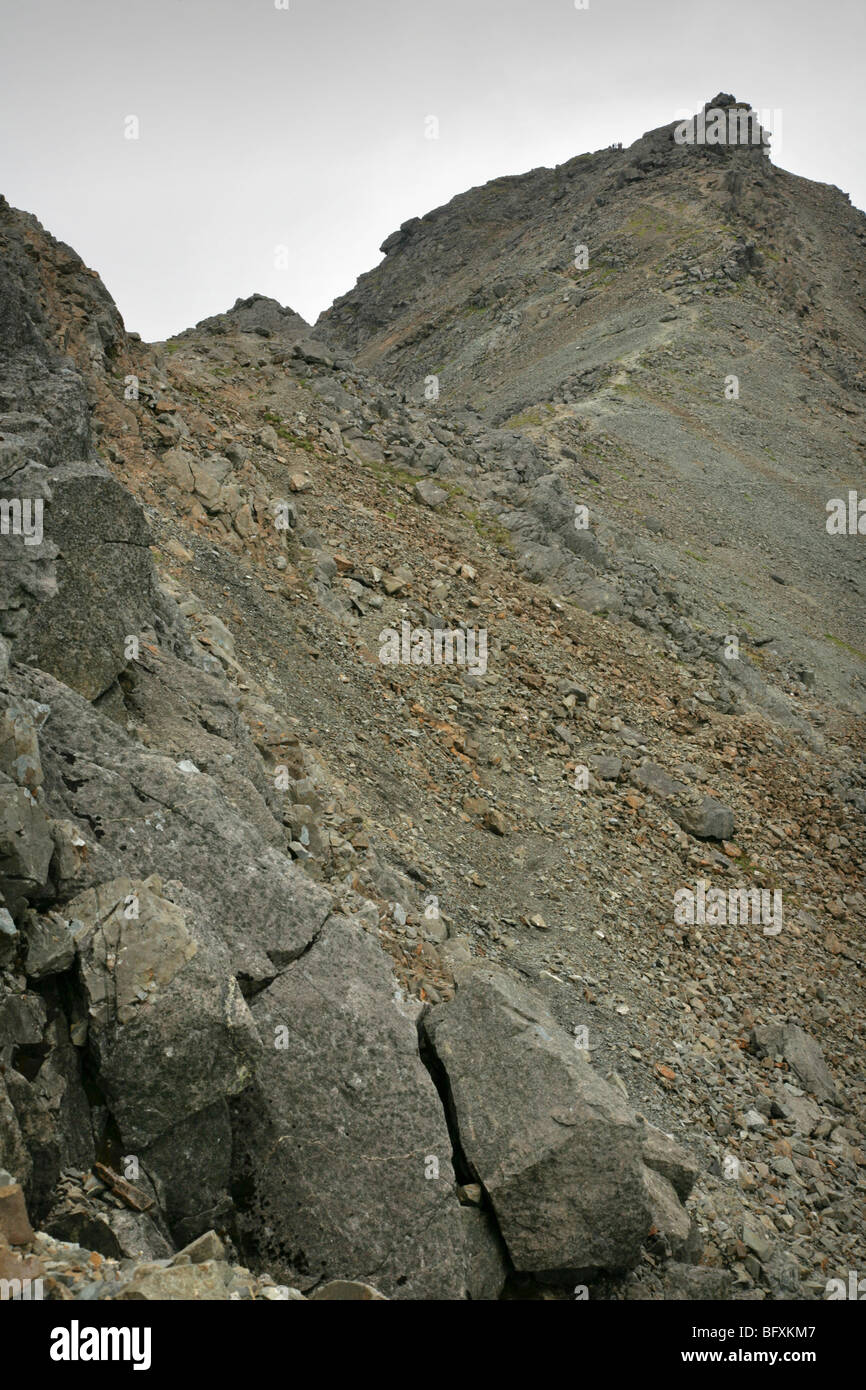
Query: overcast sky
column 306, row 128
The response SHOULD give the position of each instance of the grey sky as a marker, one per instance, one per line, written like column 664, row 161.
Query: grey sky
column 305, row 128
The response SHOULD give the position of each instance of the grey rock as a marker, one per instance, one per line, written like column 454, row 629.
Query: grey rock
column 653, row 779
column 346, row 1291
column 697, row 1283
column 169, row 1030
column 114, row 1232
column 429, row 494
column 709, row 820
column 670, row 1221
column 342, row 1146
column 26, row 846
column 487, row 1264
column 206, row 1247
column 14, row 1156
column 50, row 946
column 663, row 1154
column 800, row 1051
column 604, row 766
column 155, row 819
column 19, row 748
column 555, row 1148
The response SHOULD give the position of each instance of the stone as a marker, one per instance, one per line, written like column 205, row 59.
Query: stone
column 207, row 1247
column 200, row 1283
column 19, row 748
column 708, row 820
column 106, row 584
column 606, row 768
column 652, row 778
column 662, row 1153
column 495, row 821
column 346, row 1291
column 50, row 946
column 800, row 1051
column 14, row 1157
column 169, row 1030
column 341, row 1146
column 182, row 827
column 671, row 1223
column 697, row 1283
column 26, row 846
column 15, row 1228
column 487, row 1265
column 429, row 495
column 555, row 1148
column 111, row 1231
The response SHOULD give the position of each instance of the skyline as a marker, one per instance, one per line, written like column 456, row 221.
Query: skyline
column 276, row 148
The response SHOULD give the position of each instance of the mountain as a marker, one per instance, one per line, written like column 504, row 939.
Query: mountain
column 431, row 758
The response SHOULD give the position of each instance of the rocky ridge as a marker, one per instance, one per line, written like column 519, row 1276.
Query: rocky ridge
column 341, row 960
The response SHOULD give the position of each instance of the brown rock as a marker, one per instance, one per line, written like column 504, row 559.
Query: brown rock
column 15, row 1225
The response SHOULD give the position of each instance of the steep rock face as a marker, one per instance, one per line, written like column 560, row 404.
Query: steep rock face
column 77, row 577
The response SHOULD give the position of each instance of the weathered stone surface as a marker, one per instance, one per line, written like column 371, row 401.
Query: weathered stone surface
column 487, row 1263
column 339, row 1144
column 54, row 1117
column 169, row 1030
column 698, row 1283
column 429, row 495
column 663, row 1154
column 190, row 1167
column 346, row 1291
column 50, row 946
column 671, row 1222
column 201, row 1283
column 800, row 1051
column 207, row 1246
column 26, row 846
column 106, row 583
column 112, row 1231
column 652, row 778
column 15, row 1228
column 182, row 826
column 22, row 1020
column 19, row 748
column 14, row 1157
column 555, row 1147
column 707, row 820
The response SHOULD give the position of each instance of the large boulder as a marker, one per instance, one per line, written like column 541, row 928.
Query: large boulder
column 106, row 585
column 169, row 1031
column 343, row 1158
column 555, row 1147
column 706, row 819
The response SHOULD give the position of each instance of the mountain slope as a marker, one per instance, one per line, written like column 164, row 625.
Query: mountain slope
column 705, row 263
column 401, row 912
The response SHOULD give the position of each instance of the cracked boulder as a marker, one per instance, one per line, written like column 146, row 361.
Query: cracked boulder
column 556, row 1149
column 342, row 1153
